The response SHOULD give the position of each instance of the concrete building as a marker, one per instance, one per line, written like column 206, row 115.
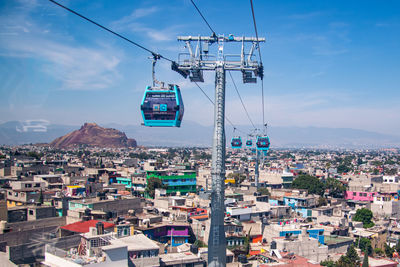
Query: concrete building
column 24, row 192
column 183, row 181
column 385, row 206
column 51, row 181
column 40, row 212
column 109, row 207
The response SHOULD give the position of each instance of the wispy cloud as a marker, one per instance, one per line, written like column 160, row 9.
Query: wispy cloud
column 129, row 23
column 136, row 14
column 78, row 67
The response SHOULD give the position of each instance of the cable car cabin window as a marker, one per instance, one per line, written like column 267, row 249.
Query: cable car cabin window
column 263, row 142
column 236, row 143
column 249, row 143
column 160, row 106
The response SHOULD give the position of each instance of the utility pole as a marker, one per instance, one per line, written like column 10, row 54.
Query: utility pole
column 192, row 64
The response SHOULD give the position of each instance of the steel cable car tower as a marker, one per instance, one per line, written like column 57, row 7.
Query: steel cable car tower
column 193, row 66
column 194, row 63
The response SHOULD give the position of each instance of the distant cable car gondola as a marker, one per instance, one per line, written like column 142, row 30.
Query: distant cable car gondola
column 249, row 143
column 263, row 143
column 236, row 142
column 162, row 106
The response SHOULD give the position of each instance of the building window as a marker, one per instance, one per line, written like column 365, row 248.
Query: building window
column 37, row 185
column 30, row 212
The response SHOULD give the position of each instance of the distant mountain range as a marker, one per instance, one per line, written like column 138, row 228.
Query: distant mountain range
column 193, row 134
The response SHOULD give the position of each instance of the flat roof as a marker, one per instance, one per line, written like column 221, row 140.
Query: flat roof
column 179, row 258
column 137, row 242
column 330, row 240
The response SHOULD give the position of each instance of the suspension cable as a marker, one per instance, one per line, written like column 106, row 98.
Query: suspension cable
column 255, row 29
column 111, row 31
column 198, row 10
column 259, row 53
column 212, row 102
column 241, row 100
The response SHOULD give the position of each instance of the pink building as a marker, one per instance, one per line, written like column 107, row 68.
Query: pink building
column 361, row 196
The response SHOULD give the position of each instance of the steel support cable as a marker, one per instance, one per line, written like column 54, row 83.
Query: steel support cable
column 212, row 102
column 259, row 53
column 198, row 10
column 241, row 100
column 156, row 55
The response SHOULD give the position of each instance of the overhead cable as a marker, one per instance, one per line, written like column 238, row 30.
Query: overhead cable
column 244, row 107
column 259, row 53
column 156, row 55
column 198, row 10
column 212, row 102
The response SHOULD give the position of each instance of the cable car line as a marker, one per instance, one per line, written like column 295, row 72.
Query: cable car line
column 259, row 53
column 156, row 55
column 212, row 102
column 255, row 29
column 198, row 10
column 241, row 100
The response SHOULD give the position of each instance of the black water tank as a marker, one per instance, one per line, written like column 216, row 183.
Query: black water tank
column 273, row 245
column 194, row 249
column 242, row 258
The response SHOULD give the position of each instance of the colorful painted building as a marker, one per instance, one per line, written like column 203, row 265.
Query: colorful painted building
column 301, row 205
column 314, row 233
column 171, row 234
column 183, row 182
column 359, row 196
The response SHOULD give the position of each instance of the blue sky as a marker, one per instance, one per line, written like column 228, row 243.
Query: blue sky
column 327, row 63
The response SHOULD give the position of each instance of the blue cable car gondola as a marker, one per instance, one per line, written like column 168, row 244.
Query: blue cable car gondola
column 249, row 143
column 263, row 143
column 236, row 142
column 162, row 107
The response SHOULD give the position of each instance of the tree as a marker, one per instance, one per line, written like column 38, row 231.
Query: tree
column 343, row 168
column 352, row 255
column 200, row 244
column 311, row 183
column 378, row 251
column 335, row 187
column 365, row 245
column 239, row 178
column 247, row 242
column 365, row 216
column 365, row 261
column 322, row 201
column 397, row 247
column 391, row 171
column 389, row 251
column 35, row 155
column 263, row 191
column 152, row 184
column 328, row 263
column 344, row 261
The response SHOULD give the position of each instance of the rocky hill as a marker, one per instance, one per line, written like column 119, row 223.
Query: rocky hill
column 91, row 134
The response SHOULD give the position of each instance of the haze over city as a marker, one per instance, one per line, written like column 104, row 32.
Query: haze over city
column 199, row 133
column 327, row 64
